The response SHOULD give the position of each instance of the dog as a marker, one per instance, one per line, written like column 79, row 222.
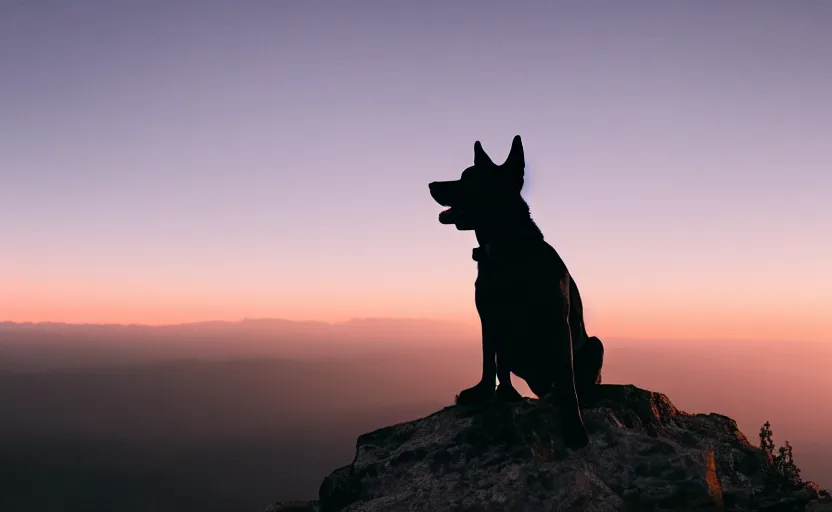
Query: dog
column 529, row 306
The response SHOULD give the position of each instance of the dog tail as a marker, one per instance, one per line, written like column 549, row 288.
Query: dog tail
column 588, row 365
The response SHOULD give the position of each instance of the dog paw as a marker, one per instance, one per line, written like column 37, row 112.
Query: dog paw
column 507, row 393
column 575, row 438
column 575, row 435
column 476, row 395
column 573, row 430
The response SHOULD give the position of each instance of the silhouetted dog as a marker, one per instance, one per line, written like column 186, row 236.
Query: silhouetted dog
column 529, row 306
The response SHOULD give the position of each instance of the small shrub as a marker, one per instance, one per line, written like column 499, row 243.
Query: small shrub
column 781, row 467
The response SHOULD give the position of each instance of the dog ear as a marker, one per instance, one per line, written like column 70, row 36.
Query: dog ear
column 516, row 159
column 480, row 158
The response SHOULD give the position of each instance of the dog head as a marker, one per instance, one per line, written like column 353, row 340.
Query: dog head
column 484, row 191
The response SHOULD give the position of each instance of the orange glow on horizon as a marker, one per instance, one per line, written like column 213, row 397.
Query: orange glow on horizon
column 693, row 321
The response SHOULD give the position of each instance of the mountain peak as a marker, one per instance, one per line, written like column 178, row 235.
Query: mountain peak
column 644, row 454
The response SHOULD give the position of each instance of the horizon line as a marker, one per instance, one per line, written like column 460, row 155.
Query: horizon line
column 243, row 320
column 458, row 323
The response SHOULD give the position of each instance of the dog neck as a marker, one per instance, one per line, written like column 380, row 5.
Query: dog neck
column 506, row 239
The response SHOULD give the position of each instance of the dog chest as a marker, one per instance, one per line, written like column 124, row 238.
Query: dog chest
column 513, row 302
column 515, row 283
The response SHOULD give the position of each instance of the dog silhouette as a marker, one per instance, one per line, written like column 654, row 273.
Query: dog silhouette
column 529, row 305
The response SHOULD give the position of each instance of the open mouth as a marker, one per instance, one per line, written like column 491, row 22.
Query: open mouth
column 445, row 193
column 457, row 217
column 449, row 195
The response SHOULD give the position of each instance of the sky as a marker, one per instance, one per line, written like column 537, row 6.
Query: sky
column 166, row 162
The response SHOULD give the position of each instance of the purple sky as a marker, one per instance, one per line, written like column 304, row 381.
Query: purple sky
column 171, row 161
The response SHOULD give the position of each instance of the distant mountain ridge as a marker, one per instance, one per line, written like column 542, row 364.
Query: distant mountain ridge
column 263, row 321
column 45, row 345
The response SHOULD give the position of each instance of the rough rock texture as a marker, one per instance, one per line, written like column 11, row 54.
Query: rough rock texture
column 644, row 455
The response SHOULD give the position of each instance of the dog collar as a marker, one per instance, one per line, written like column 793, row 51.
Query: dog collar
column 486, row 252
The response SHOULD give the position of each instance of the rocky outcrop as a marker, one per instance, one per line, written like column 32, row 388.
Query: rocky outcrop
column 644, row 455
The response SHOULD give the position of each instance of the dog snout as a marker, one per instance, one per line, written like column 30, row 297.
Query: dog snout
column 446, row 193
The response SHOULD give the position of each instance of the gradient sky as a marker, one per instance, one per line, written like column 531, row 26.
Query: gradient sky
column 177, row 161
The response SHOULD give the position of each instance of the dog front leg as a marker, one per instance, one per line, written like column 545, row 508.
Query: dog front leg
column 489, row 356
column 505, row 390
column 484, row 390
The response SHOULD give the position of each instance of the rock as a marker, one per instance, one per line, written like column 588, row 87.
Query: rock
column 293, row 506
column 644, row 454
